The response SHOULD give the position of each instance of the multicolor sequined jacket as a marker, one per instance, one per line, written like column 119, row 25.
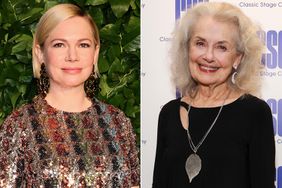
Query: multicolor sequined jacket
column 44, row 147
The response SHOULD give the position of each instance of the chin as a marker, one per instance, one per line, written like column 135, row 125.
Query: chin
column 206, row 82
column 72, row 83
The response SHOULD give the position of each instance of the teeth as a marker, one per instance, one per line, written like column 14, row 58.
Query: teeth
column 209, row 68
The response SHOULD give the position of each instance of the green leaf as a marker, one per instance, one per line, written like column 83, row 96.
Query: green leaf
column 6, row 37
column 97, row 14
column 9, row 73
column 133, row 25
column 132, row 45
column 105, row 89
column 14, row 38
column 23, row 58
column 14, row 98
column 96, row 2
column 128, row 93
column 25, row 78
column 33, row 13
column 116, row 66
column 137, row 130
column 10, row 9
column 22, row 89
column 14, row 3
column 135, row 85
column 117, row 100
column 10, row 82
column 110, row 32
column 23, row 43
column 1, row 51
column 131, row 39
column 131, row 109
column 120, row 7
column 6, row 26
column 103, row 65
column 135, row 4
column 129, row 77
column 24, row 37
column 0, row 18
column 113, row 52
column 19, row 47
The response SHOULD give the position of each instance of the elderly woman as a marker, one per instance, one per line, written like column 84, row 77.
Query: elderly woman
column 218, row 134
column 65, row 137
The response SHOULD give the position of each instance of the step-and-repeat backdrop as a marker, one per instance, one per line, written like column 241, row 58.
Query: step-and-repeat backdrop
column 158, row 19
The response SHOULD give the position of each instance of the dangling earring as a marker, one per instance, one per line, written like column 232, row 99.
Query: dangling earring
column 43, row 83
column 234, row 75
column 91, row 85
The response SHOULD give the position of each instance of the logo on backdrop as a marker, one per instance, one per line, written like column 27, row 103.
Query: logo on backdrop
column 279, row 177
column 276, row 108
column 260, row 4
column 272, row 59
column 183, row 5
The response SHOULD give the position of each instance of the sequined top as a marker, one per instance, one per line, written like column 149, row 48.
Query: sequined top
column 44, row 147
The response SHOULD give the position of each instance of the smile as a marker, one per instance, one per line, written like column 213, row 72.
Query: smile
column 205, row 68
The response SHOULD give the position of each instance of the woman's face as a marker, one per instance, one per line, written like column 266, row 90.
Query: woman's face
column 212, row 51
column 69, row 53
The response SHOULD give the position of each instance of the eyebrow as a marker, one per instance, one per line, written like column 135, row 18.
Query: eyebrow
column 218, row 42
column 64, row 40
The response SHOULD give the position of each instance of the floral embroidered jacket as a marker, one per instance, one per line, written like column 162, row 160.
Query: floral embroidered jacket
column 44, row 147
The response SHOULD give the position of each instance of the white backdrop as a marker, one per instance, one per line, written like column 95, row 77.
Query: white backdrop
column 158, row 18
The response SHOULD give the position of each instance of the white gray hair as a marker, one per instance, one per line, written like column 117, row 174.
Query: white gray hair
column 248, row 44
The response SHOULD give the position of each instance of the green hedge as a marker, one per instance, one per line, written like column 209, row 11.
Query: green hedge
column 119, row 61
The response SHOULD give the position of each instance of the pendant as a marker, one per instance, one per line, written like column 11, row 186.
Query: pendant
column 193, row 166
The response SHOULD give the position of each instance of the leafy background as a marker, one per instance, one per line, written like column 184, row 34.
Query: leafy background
column 119, row 60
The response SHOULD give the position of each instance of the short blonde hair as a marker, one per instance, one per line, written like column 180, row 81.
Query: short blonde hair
column 49, row 21
column 248, row 44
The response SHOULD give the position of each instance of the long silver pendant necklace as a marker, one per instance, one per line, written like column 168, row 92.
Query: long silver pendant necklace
column 193, row 163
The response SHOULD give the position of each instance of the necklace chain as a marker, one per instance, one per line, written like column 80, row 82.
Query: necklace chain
column 192, row 145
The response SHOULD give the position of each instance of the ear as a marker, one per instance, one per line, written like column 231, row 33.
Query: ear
column 237, row 61
column 39, row 54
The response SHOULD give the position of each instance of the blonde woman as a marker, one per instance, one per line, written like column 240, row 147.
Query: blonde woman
column 218, row 134
column 66, row 137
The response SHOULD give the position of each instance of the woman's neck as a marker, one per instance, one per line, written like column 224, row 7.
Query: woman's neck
column 69, row 100
column 208, row 92
column 213, row 96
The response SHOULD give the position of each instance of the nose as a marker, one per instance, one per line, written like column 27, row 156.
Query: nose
column 72, row 54
column 209, row 55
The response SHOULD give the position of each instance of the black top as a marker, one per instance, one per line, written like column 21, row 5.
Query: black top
column 239, row 152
